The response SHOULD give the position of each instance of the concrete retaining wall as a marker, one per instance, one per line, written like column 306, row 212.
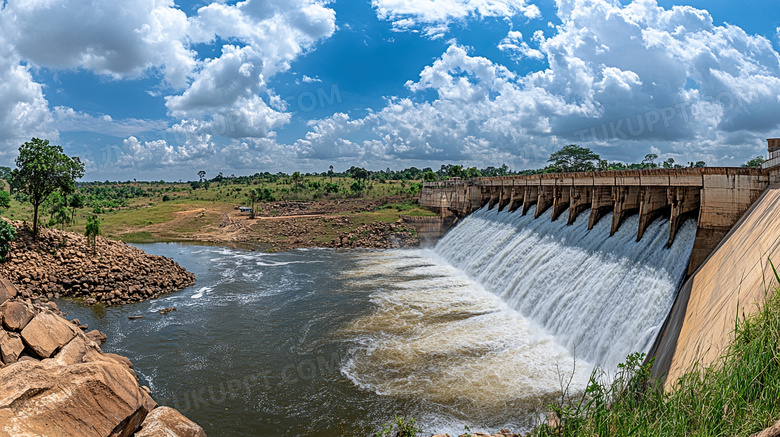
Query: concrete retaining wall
column 729, row 284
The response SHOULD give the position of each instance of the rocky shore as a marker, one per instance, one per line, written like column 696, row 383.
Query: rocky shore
column 379, row 235
column 60, row 264
column 58, row 382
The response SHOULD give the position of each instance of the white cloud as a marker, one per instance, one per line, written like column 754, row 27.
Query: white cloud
column 23, row 108
column 517, row 48
column 69, row 120
column 620, row 78
column 434, row 16
column 325, row 140
column 307, row 79
column 120, row 39
column 226, row 92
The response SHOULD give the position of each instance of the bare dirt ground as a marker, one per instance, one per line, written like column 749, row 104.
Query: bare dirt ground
column 286, row 225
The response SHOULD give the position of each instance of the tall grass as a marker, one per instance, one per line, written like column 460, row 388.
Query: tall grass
column 738, row 395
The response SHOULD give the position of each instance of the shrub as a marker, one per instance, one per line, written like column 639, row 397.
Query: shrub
column 92, row 230
column 7, row 235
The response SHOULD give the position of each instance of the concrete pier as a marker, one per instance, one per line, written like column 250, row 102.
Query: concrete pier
column 716, row 196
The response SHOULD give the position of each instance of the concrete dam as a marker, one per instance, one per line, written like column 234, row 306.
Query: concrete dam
column 723, row 274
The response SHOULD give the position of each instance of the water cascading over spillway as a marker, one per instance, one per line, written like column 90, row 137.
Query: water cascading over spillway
column 602, row 297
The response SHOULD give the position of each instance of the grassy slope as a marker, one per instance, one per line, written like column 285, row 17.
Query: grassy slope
column 737, row 396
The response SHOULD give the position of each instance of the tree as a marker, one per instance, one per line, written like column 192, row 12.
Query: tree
column 297, row 178
column 254, row 195
column 455, row 171
column 7, row 235
column 649, row 160
column 42, row 169
column 669, row 163
column 472, row 172
column 92, row 231
column 5, row 200
column 330, row 172
column 359, row 173
column 574, row 158
column 430, row 176
column 75, row 202
column 201, row 175
column 755, row 162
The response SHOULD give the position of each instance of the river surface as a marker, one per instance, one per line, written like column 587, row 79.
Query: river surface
column 305, row 342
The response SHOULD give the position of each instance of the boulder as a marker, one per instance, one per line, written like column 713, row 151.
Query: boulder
column 40, row 398
column 47, row 333
column 11, row 346
column 16, row 315
column 7, row 290
column 167, row 422
column 97, row 336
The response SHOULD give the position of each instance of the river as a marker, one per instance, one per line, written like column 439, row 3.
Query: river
column 307, row 342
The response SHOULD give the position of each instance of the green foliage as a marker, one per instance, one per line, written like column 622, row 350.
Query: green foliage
column 359, row 173
column 92, row 230
column 42, row 169
column 736, row 396
column 5, row 173
column 755, row 162
column 649, row 160
column 574, row 158
column 455, row 171
column 166, row 198
column 7, row 235
column 472, row 172
column 5, row 200
column 430, row 176
column 331, row 187
column 357, row 186
column 402, row 428
column 76, row 201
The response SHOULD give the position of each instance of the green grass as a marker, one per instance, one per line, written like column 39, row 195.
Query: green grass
column 139, row 237
column 736, row 396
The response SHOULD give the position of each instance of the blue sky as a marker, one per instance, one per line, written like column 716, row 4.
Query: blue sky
column 157, row 89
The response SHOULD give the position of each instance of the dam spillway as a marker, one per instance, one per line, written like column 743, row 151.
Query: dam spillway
column 602, row 296
column 717, row 197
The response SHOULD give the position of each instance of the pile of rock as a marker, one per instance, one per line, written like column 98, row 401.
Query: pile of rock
column 57, row 381
column 379, row 235
column 62, row 264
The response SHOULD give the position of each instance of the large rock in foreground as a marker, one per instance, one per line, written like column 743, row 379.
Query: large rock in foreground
column 56, row 381
column 167, row 422
column 62, row 264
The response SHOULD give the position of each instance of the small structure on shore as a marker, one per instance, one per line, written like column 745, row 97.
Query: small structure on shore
column 245, row 209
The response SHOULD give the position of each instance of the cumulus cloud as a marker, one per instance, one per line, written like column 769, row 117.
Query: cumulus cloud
column 120, row 39
column 619, row 77
column 517, row 48
column 226, row 92
column 326, row 139
column 23, row 109
column 434, row 16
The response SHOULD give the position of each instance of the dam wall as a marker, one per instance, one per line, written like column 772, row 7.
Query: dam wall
column 430, row 229
column 717, row 196
column 730, row 284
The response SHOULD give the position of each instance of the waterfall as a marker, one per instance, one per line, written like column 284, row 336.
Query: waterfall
column 601, row 297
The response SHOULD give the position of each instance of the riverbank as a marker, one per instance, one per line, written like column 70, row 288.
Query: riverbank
column 62, row 264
